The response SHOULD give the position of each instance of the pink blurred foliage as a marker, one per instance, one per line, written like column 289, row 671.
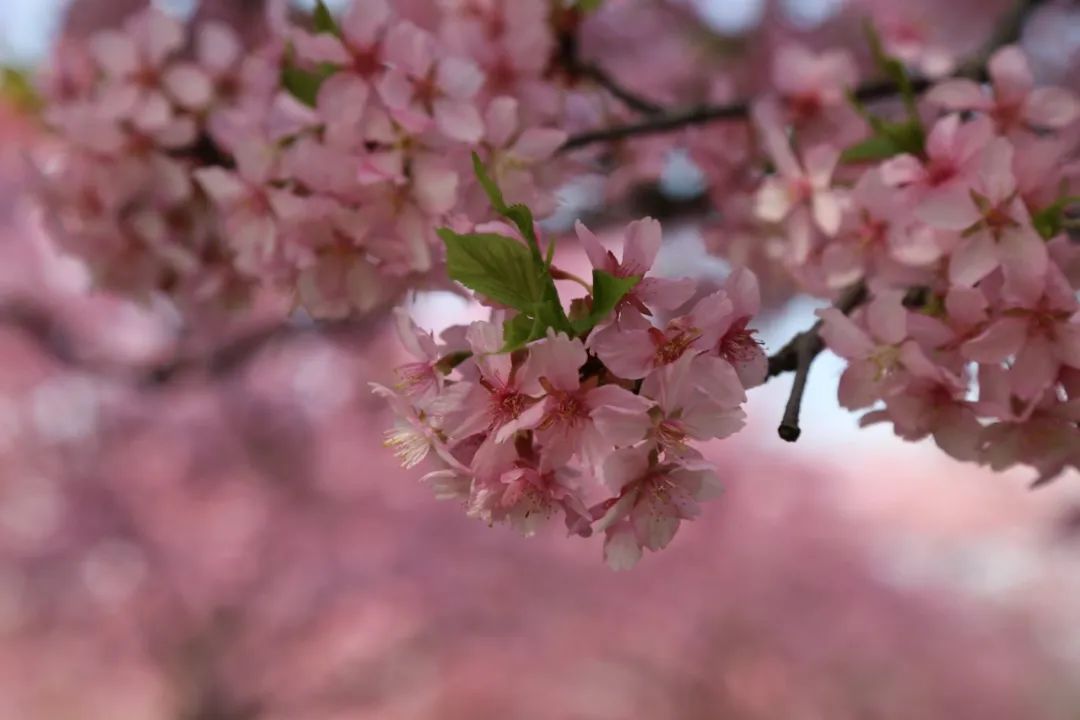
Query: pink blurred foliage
column 235, row 544
column 239, row 547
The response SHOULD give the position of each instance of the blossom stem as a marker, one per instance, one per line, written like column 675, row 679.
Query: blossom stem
column 559, row 274
column 664, row 122
column 799, row 354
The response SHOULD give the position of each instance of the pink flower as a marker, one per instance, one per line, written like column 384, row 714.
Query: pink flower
column 1040, row 338
column 738, row 344
column 998, row 229
column 634, row 348
column 641, row 244
column 881, row 355
column 652, row 500
column 525, row 498
column 421, row 379
column 419, row 87
column 1015, row 98
column 564, row 421
column 798, row 192
column 522, row 158
column 499, row 397
column 138, row 75
column 685, row 411
column 812, row 82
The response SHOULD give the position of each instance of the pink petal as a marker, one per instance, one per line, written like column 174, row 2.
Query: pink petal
column 1024, row 260
column 1001, row 340
column 973, row 260
column 459, row 79
column 843, row 336
column 887, row 317
column 948, row 207
column 958, row 95
column 820, row 162
column 1035, row 369
column 501, row 121
column 537, row 144
column 621, row 549
column 828, row 212
column 188, row 85
column 364, row 21
column 643, row 238
column 859, row 385
column 773, row 201
column 1011, row 74
column 655, row 528
column 223, row 187
column 459, row 120
column 435, row 185
column 627, row 354
column 598, row 254
column 115, row 53
column 1051, row 107
column 558, row 359
column 743, row 289
column 342, row 99
column 966, row 305
column 1068, row 344
column 625, row 466
column 217, row 47
column 901, row 170
column 409, row 49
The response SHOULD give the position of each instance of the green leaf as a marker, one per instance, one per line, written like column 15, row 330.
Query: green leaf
column 608, row 290
column 1050, row 221
column 875, row 147
column 520, row 215
column 17, row 88
column 521, row 330
column 304, row 84
column 888, row 140
column 324, row 20
column 490, row 187
column 589, row 5
column 892, row 68
column 497, row 267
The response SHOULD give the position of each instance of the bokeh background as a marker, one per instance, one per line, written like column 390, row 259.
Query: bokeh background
column 194, row 529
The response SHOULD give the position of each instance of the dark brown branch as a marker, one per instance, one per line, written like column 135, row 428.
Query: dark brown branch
column 631, row 99
column 1008, row 31
column 799, row 354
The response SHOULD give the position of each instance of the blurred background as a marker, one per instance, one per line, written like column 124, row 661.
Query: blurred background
column 193, row 529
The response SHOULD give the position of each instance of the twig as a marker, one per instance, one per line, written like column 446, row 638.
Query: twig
column 1008, row 31
column 799, row 354
column 629, row 98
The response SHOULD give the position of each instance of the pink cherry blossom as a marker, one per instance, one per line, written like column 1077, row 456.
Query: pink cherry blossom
column 652, row 501
column 635, row 348
column 641, row 244
column 1015, row 98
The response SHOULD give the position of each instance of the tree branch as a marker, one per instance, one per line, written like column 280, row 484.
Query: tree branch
column 632, row 100
column 1007, row 32
column 799, row 354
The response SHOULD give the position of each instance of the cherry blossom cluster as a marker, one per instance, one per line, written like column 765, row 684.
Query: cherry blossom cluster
column 959, row 232
column 318, row 163
column 591, row 413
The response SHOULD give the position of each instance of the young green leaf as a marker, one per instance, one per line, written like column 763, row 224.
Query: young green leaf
column 324, row 21
column 304, row 84
column 17, row 88
column 608, row 290
column 892, row 68
column 521, row 330
column 497, row 267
